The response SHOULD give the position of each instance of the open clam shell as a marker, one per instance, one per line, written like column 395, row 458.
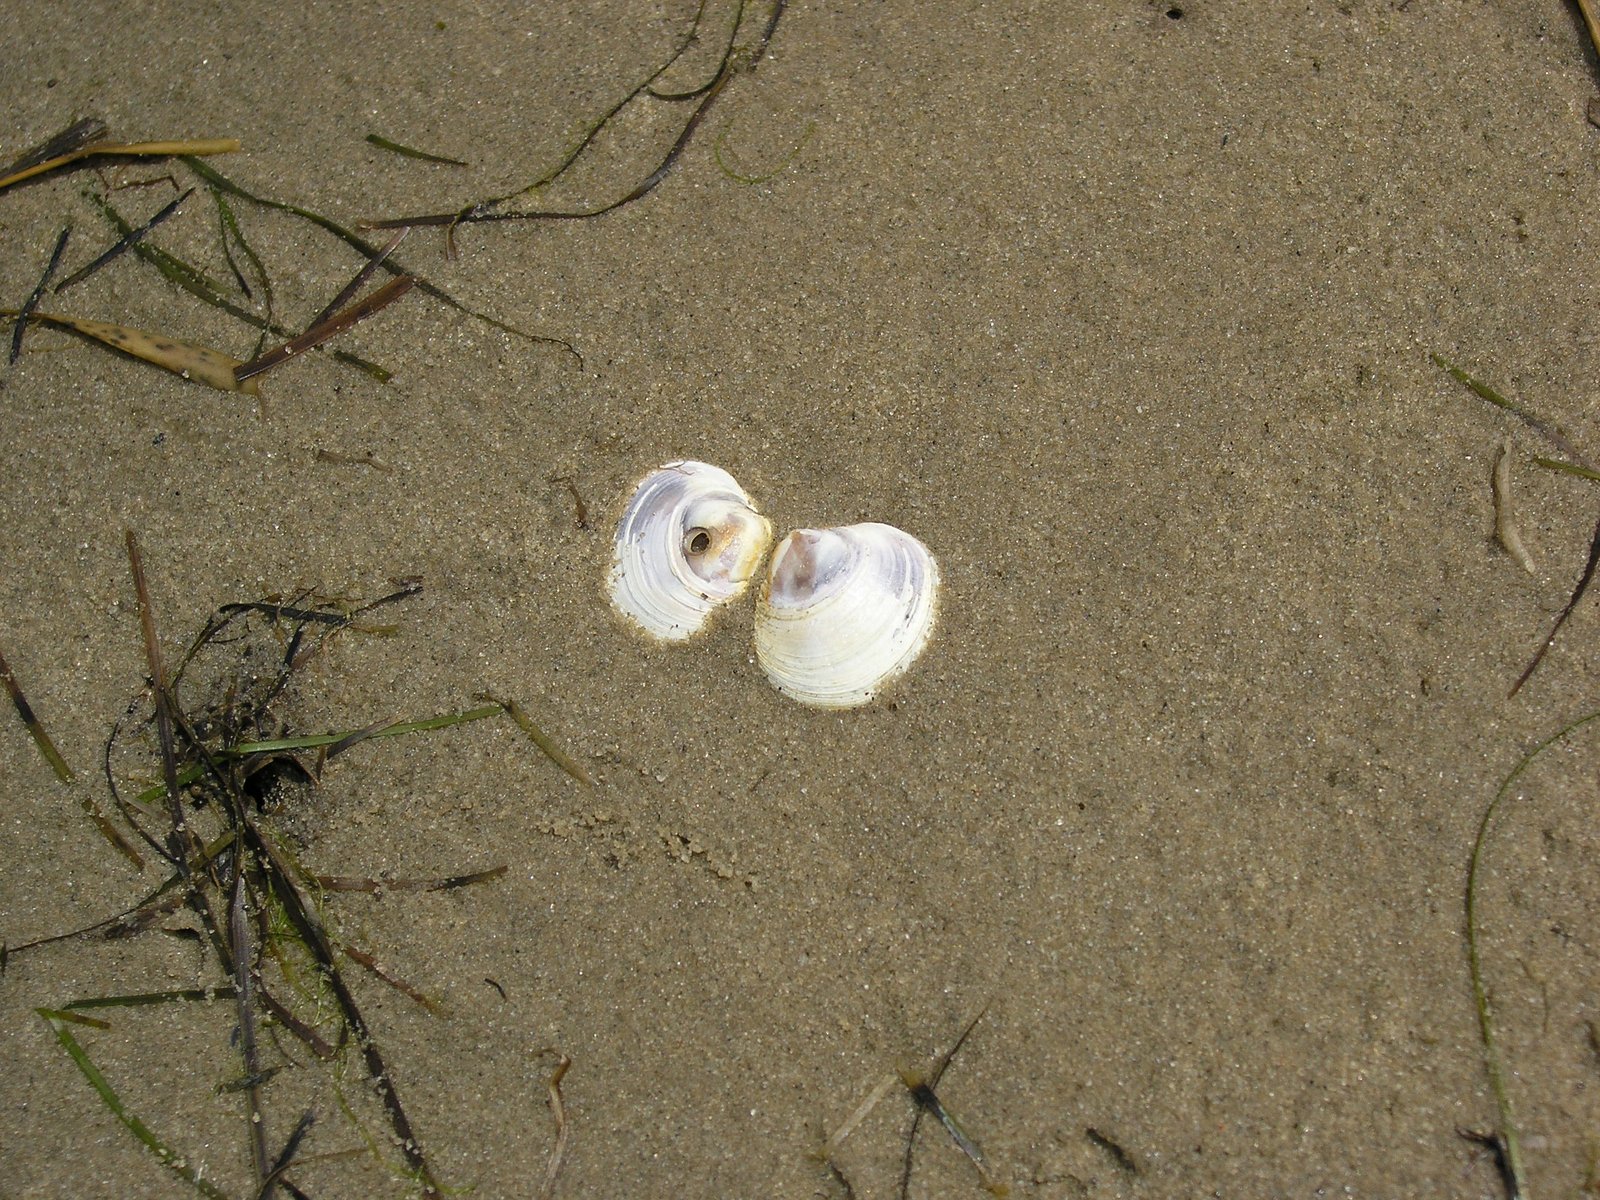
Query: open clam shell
column 689, row 540
column 844, row 611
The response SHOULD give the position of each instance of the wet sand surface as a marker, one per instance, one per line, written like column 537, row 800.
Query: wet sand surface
column 1126, row 310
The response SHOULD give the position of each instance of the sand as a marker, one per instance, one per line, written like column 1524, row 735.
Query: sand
column 1126, row 309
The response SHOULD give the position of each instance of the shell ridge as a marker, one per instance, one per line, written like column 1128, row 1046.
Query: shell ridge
column 653, row 582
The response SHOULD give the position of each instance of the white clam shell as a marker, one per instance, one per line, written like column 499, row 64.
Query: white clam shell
column 689, row 541
column 844, row 611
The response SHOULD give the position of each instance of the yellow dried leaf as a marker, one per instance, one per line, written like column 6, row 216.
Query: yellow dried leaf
column 199, row 363
column 198, row 146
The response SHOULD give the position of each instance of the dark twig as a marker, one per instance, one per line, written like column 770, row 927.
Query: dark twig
column 123, row 243
column 1498, row 1154
column 315, row 938
column 922, row 1092
column 329, row 328
column 346, row 883
column 349, row 291
column 34, row 726
column 74, row 136
column 1584, row 580
column 285, row 1157
column 1111, row 1146
column 179, row 840
column 244, row 990
column 32, row 302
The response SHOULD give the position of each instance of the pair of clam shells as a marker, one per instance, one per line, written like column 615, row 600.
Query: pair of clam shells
column 841, row 612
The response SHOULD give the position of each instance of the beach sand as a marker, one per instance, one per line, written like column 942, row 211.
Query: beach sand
column 1126, row 310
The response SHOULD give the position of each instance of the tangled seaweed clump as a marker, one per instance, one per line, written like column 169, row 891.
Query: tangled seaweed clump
column 228, row 820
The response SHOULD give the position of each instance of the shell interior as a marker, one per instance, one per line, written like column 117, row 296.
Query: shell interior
column 844, row 611
column 689, row 541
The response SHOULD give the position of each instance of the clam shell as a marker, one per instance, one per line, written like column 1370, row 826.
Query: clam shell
column 689, row 540
column 844, row 611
